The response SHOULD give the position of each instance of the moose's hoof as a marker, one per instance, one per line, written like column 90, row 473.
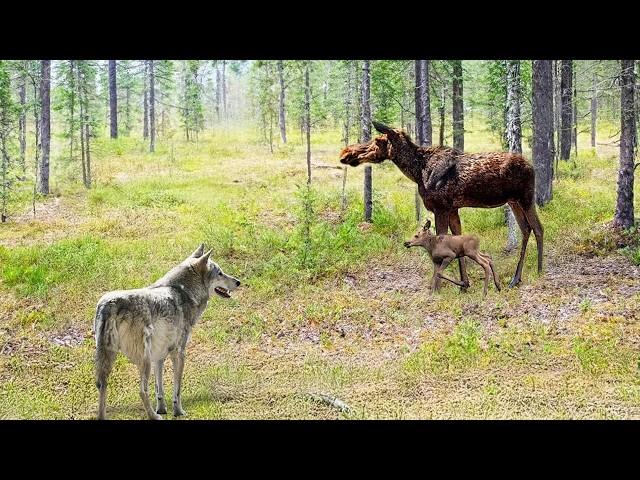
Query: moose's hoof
column 161, row 410
column 514, row 283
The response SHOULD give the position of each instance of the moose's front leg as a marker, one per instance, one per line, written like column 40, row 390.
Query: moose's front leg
column 456, row 229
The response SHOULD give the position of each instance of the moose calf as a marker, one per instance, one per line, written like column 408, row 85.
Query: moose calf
column 443, row 249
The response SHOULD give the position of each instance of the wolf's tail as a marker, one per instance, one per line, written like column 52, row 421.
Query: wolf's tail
column 105, row 342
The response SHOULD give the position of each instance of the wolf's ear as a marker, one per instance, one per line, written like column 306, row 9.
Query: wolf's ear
column 197, row 252
column 427, row 225
column 201, row 262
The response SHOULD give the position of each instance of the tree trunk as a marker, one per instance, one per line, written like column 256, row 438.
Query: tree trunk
column 594, row 111
column 556, row 113
column 45, row 126
column 575, row 113
column 441, row 111
column 113, row 99
column 22, row 122
column 72, row 109
column 366, row 136
column 424, row 130
column 283, row 125
column 224, row 89
column 624, row 216
column 423, row 107
column 566, row 77
column 307, row 118
column 458, row 106
column 152, row 107
column 542, row 112
column 145, row 126
column 218, row 91
column 513, row 135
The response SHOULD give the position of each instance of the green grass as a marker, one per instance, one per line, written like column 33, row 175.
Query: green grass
column 298, row 325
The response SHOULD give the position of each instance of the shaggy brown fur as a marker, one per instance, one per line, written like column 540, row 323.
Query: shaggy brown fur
column 443, row 249
column 449, row 179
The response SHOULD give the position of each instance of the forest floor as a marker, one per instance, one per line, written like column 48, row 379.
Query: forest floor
column 347, row 314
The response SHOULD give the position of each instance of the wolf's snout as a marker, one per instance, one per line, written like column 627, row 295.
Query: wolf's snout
column 237, row 283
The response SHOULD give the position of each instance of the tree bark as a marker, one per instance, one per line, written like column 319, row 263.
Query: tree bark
column 45, row 126
column 152, row 107
column 224, row 89
column 366, row 136
column 283, row 125
column 458, row 106
column 513, row 135
column 218, row 91
column 22, row 122
column 575, row 113
column 145, row 126
column 542, row 112
column 423, row 107
column 556, row 110
column 113, row 99
column 307, row 118
column 624, row 215
column 594, row 111
column 566, row 114
column 441, row 111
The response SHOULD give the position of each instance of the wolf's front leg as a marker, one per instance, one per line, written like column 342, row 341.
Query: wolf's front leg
column 178, row 367
column 162, row 406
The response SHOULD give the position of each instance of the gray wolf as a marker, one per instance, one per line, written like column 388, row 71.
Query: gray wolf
column 151, row 323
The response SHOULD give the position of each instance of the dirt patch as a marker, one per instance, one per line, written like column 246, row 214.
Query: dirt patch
column 69, row 338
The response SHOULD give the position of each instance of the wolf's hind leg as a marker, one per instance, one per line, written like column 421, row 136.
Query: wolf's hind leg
column 178, row 367
column 104, row 363
column 162, row 406
column 145, row 372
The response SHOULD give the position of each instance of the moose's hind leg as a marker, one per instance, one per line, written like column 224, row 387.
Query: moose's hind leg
column 525, row 228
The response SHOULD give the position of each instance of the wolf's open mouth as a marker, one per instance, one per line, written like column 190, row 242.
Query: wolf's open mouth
column 223, row 292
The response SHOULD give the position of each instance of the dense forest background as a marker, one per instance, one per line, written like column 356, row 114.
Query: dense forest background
column 162, row 101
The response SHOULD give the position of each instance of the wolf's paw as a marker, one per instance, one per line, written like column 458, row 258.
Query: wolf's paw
column 162, row 407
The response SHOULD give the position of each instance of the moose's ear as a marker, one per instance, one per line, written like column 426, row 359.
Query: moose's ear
column 382, row 128
column 197, row 252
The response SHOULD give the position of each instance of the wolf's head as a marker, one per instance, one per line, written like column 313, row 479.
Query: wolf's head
column 214, row 279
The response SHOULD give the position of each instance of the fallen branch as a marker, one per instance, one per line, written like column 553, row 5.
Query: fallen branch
column 330, row 400
column 321, row 165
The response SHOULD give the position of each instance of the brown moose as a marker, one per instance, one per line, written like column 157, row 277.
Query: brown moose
column 443, row 249
column 449, row 179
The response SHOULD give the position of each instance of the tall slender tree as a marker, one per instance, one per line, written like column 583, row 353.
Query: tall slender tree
column 566, row 114
column 282, row 116
column 307, row 117
column 145, row 120
column 424, row 130
column 457, row 105
column 22, row 119
column 624, row 216
column 152, row 107
column 45, row 126
column 113, row 99
column 513, row 135
column 542, row 104
column 594, row 109
column 365, row 103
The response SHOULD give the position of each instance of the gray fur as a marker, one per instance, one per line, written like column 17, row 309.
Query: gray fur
column 149, row 324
